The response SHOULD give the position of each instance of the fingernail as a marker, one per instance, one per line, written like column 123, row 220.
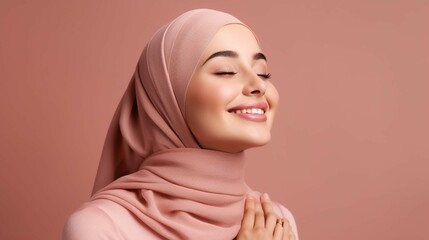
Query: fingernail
column 265, row 196
column 249, row 196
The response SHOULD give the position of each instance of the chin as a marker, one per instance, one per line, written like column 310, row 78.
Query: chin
column 257, row 138
column 241, row 144
column 258, row 142
column 235, row 139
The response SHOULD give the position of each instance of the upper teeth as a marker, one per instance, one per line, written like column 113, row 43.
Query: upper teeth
column 250, row 110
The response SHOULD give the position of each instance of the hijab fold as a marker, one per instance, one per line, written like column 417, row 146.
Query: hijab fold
column 151, row 164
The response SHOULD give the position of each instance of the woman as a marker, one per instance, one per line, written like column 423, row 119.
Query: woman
column 172, row 166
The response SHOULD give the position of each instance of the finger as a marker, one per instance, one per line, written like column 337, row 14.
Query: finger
column 259, row 215
column 287, row 231
column 270, row 216
column 291, row 233
column 249, row 213
column 278, row 230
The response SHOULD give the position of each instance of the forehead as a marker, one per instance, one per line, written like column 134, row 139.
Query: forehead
column 234, row 37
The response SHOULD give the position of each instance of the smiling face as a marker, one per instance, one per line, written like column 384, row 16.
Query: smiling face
column 230, row 103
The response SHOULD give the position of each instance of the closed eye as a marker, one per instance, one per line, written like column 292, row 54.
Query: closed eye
column 225, row 73
column 265, row 76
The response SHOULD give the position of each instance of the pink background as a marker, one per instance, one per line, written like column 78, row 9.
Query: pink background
column 350, row 150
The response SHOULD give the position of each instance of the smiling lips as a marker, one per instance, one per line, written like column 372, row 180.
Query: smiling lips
column 251, row 112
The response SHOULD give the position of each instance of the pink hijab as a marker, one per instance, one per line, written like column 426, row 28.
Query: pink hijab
column 151, row 164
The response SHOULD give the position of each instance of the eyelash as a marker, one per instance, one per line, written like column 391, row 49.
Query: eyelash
column 225, row 73
column 264, row 76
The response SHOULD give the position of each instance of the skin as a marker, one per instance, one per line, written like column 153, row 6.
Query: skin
column 220, row 83
column 261, row 223
column 223, row 82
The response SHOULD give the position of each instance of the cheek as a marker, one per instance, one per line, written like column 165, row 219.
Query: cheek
column 207, row 103
column 210, row 96
column 206, row 109
column 272, row 97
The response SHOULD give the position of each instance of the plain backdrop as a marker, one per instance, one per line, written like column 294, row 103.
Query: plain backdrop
column 350, row 149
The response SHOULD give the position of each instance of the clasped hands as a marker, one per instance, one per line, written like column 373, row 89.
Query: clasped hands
column 261, row 223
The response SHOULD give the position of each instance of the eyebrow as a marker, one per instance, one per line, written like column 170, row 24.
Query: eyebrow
column 233, row 54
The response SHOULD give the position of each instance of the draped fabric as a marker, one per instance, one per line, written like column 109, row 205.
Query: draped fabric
column 151, row 164
column 185, row 194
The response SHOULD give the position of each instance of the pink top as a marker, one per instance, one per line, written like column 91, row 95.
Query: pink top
column 176, row 194
column 154, row 181
column 103, row 219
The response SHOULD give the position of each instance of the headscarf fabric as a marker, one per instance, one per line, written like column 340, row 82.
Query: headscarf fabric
column 151, row 163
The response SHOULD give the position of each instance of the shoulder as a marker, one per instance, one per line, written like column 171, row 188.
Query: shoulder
column 285, row 213
column 90, row 222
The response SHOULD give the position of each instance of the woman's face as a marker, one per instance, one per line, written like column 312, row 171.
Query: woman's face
column 230, row 103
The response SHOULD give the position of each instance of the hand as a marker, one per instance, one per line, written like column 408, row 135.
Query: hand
column 261, row 223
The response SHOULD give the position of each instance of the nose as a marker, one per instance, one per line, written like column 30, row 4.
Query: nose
column 254, row 85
